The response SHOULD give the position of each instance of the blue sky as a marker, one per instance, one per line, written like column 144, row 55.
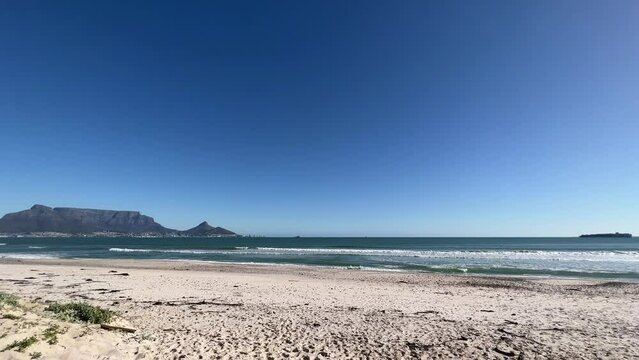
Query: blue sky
column 330, row 118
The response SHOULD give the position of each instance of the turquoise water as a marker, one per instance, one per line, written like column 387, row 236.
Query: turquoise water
column 616, row 258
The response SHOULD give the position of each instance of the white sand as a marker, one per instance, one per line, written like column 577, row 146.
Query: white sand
column 196, row 310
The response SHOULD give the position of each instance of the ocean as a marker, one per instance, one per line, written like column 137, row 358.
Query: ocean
column 613, row 258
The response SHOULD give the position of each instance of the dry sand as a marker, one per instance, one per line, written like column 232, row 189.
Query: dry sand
column 188, row 310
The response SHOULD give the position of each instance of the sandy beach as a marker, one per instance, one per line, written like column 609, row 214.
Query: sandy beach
column 190, row 310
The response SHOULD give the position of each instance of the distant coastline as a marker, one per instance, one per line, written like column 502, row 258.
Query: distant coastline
column 55, row 235
column 607, row 235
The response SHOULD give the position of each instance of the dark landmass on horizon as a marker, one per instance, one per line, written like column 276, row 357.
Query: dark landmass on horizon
column 608, row 235
column 46, row 221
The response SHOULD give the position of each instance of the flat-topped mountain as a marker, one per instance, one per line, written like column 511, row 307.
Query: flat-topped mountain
column 44, row 219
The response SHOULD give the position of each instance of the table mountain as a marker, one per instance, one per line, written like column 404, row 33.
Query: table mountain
column 43, row 219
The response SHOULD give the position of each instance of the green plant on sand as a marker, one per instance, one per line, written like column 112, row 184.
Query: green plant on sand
column 22, row 344
column 8, row 299
column 51, row 334
column 81, row 312
column 36, row 355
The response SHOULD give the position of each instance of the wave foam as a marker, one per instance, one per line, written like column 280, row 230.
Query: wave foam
column 27, row 256
column 471, row 254
column 626, row 256
column 173, row 251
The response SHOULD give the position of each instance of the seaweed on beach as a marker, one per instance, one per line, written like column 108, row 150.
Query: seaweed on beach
column 611, row 284
column 81, row 312
column 497, row 283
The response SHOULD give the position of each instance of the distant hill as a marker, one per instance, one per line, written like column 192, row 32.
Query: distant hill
column 204, row 229
column 608, row 235
column 44, row 219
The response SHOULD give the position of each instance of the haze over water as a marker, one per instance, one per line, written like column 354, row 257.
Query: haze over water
column 615, row 258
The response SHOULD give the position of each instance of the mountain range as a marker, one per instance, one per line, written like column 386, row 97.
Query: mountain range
column 63, row 220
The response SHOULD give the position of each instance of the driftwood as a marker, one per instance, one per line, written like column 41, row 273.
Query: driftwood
column 121, row 328
column 553, row 329
column 517, row 335
column 213, row 303
column 509, row 353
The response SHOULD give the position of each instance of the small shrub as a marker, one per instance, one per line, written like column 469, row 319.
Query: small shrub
column 22, row 344
column 81, row 312
column 10, row 317
column 8, row 299
column 51, row 334
column 36, row 355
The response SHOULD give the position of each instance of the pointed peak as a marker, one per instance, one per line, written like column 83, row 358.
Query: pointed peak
column 204, row 226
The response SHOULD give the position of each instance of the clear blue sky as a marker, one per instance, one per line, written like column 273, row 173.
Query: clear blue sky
column 432, row 118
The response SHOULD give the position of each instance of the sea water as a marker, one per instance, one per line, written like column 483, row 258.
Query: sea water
column 614, row 258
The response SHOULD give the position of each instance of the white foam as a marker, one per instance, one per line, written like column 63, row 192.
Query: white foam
column 593, row 256
column 27, row 256
column 632, row 256
column 131, row 250
column 173, row 251
column 37, row 247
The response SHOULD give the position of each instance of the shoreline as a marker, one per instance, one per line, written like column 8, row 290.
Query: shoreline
column 186, row 310
column 213, row 265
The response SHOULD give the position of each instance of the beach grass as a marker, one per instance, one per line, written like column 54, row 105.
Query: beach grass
column 8, row 299
column 51, row 333
column 81, row 312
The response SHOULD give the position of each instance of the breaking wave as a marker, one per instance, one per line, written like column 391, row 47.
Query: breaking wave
column 595, row 256
column 27, row 256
